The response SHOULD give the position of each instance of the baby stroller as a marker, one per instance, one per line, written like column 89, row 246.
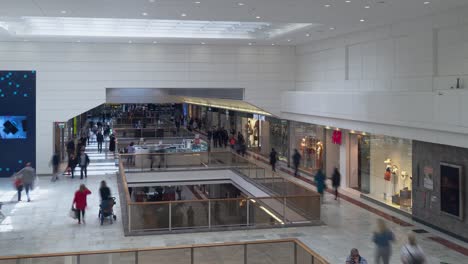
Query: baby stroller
column 106, row 210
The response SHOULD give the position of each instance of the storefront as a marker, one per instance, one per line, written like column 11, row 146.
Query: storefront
column 309, row 141
column 384, row 168
column 251, row 129
column 278, row 137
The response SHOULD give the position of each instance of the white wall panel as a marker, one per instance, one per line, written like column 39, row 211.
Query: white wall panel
column 396, row 78
column 72, row 77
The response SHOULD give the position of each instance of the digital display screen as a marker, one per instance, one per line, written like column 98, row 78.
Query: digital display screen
column 13, row 127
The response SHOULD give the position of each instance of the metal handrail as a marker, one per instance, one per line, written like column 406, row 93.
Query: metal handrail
column 297, row 243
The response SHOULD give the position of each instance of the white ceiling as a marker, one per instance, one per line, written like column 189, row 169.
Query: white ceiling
column 339, row 18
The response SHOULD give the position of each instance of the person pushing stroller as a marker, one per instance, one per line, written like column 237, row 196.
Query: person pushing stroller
column 107, row 203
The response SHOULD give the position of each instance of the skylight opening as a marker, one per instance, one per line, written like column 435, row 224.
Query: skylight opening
column 145, row 28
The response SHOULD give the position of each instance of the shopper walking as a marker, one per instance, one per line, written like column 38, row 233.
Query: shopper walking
column 412, row 253
column 55, row 162
column 112, row 143
column 99, row 139
column 296, row 161
column 18, row 182
column 273, row 159
column 72, row 163
column 336, row 181
column 104, row 191
column 80, row 202
column 28, row 175
column 320, row 183
column 70, row 147
column 382, row 239
column 130, row 154
column 83, row 161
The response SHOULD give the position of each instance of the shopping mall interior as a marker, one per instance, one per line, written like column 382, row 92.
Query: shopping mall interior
column 255, row 132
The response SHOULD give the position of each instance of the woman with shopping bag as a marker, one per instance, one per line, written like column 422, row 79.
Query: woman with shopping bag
column 80, row 202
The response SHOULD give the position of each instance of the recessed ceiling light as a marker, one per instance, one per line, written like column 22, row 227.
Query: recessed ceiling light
column 307, row 35
column 367, row 7
column 130, row 41
column 288, row 40
column 144, row 14
column 63, row 11
column 183, row 14
column 152, row 1
column 327, row 5
column 332, row 28
column 78, row 41
column 203, row 43
column 240, row 4
column 155, row 42
column 427, row 2
column 348, row 1
column 197, row 2
column 272, row 44
column 257, row 17
column 362, row 20
column 250, row 43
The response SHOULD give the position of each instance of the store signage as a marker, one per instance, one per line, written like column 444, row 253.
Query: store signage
column 336, row 137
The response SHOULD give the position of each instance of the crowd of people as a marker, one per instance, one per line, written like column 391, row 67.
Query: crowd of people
column 25, row 179
column 383, row 237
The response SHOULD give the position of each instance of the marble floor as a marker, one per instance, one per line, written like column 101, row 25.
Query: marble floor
column 43, row 226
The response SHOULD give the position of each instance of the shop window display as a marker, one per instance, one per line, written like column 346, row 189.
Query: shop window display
column 308, row 140
column 279, row 137
column 252, row 130
column 390, row 169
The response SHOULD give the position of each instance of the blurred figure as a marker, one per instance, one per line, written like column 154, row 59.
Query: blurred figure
column 99, row 139
column 104, row 191
column 55, row 162
column 190, row 216
column 28, row 175
column 72, row 163
column 130, row 152
column 80, row 202
column 273, row 159
column 70, row 147
column 411, row 253
column 83, row 161
column 355, row 258
column 382, row 239
column 179, row 193
column 18, row 182
column 336, row 181
column 296, row 161
column 112, row 143
column 319, row 179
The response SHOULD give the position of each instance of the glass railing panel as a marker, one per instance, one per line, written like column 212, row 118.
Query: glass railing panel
column 184, row 160
column 49, row 260
column 270, row 253
column 265, row 212
column 219, row 255
column 114, row 258
column 11, row 261
column 302, row 209
column 167, row 256
column 149, row 217
column 302, row 256
column 232, row 212
column 190, row 214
